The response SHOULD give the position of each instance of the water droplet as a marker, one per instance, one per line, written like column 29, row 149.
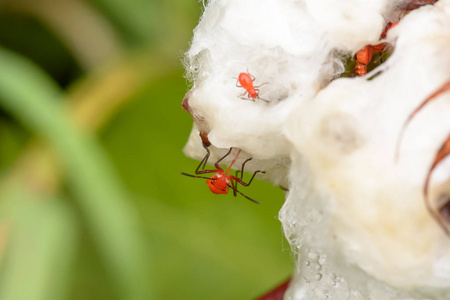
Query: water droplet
column 307, row 263
column 322, row 259
column 318, row 276
column 312, row 255
column 318, row 267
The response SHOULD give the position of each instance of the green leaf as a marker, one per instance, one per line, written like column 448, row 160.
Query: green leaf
column 28, row 94
column 42, row 235
column 134, row 19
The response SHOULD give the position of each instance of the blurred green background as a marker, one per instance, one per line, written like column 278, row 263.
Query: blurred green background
column 92, row 203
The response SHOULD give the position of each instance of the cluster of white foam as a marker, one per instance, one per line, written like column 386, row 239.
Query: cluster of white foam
column 355, row 217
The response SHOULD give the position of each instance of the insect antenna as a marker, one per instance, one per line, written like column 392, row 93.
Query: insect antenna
column 254, row 201
column 253, row 77
column 195, row 176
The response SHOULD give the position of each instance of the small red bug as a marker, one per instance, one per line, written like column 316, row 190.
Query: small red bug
column 246, row 81
column 364, row 56
column 221, row 182
column 380, row 47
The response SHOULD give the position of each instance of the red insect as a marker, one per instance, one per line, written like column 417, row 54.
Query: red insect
column 364, row 56
column 246, row 81
column 380, row 47
column 221, row 182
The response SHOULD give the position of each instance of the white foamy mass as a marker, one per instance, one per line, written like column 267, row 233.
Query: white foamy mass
column 355, row 217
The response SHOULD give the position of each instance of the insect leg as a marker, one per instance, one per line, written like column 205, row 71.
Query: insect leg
column 254, row 201
column 204, row 161
column 240, row 179
column 234, row 187
column 248, row 98
column 243, row 95
column 217, row 163
column 257, row 96
column 251, row 179
column 257, row 86
column 242, row 168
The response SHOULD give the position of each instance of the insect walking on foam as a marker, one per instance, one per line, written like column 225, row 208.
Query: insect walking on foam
column 245, row 80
